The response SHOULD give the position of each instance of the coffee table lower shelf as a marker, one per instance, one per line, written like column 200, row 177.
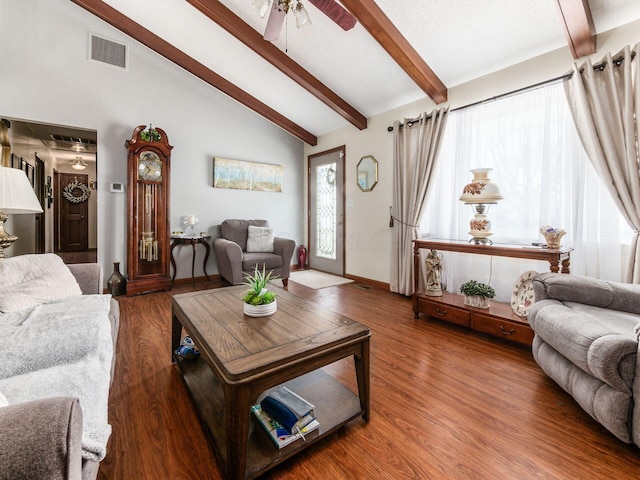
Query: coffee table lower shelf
column 335, row 405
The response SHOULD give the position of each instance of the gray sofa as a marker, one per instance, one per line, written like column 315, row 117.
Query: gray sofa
column 234, row 261
column 586, row 340
column 43, row 438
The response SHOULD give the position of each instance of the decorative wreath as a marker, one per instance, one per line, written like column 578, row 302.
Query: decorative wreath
column 69, row 192
column 331, row 176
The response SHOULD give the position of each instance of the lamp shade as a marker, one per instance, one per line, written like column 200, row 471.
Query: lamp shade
column 16, row 192
column 481, row 190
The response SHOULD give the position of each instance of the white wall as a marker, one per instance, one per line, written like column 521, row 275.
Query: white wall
column 45, row 76
column 368, row 244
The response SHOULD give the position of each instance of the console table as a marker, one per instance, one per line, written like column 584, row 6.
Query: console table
column 498, row 320
column 192, row 240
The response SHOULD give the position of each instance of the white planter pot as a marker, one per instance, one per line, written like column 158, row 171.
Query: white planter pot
column 476, row 301
column 260, row 310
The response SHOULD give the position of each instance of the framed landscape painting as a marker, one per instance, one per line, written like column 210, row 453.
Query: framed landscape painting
column 241, row 175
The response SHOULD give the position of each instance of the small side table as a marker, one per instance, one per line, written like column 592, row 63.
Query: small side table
column 192, row 240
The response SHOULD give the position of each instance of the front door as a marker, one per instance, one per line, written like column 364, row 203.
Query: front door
column 74, row 221
column 326, row 211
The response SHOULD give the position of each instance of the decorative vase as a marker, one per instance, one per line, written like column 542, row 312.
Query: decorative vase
column 260, row 310
column 302, row 257
column 476, row 301
column 117, row 284
column 552, row 235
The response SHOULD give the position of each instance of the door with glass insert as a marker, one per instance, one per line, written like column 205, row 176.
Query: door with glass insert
column 326, row 211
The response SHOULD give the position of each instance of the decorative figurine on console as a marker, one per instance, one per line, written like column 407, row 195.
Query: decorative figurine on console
column 434, row 268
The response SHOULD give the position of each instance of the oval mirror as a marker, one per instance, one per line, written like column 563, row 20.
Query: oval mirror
column 367, row 173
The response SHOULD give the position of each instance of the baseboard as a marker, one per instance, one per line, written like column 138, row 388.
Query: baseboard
column 367, row 281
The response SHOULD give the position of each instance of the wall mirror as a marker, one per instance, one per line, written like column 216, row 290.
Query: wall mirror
column 367, row 173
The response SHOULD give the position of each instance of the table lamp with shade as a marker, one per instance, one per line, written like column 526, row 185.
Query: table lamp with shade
column 16, row 197
column 480, row 193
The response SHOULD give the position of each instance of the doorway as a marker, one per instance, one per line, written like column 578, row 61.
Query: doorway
column 74, row 214
column 326, row 211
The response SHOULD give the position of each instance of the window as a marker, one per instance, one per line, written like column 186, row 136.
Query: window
column 530, row 142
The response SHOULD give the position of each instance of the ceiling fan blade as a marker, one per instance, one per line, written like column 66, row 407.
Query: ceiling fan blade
column 335, row 12
column 274, row 23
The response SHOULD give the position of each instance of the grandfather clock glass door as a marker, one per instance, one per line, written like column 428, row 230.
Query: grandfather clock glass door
column 148, row 225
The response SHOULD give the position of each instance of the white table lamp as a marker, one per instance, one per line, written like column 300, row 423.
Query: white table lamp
column 16, row 197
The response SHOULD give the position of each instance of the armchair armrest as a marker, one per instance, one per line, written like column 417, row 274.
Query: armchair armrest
column 284, row 247
column 587, row 291
column 41, row 439
column 229, row 259
column 88, row 276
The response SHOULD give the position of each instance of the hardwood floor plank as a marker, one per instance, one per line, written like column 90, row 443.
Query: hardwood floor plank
column 447, row 403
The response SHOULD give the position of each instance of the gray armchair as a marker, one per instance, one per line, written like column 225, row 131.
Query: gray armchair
column 586, row 340
column 234, row 261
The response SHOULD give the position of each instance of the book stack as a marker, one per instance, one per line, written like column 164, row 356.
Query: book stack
column 286, row 416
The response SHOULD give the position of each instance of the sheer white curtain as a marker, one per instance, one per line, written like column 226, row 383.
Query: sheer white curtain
column 530, row 142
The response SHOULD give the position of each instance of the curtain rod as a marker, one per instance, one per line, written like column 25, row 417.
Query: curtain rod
column 597, row 66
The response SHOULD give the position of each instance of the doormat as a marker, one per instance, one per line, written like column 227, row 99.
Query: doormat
column 316, row 279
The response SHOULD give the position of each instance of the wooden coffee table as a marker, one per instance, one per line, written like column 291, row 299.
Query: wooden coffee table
column 241, row 357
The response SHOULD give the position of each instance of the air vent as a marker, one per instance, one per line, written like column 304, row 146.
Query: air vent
column 107, row 51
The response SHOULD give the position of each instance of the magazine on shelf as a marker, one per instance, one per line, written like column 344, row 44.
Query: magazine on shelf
column 280, row 436
column 288, row 408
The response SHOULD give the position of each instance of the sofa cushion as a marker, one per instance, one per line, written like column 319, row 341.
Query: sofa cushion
column 600, row 341
column 237, row 230
column 259, row 239
column 30, row 280
column 269, row 260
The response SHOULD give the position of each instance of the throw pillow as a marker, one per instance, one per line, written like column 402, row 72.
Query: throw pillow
column 30, row 280
column 260, row 239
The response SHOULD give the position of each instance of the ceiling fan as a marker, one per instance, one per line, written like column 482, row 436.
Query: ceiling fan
column 278, row 10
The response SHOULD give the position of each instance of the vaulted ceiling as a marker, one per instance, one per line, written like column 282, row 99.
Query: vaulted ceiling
column 315, row 80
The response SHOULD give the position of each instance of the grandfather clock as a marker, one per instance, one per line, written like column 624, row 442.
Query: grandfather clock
column 149, row 155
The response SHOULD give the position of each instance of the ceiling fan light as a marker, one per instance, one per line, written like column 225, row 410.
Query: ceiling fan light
column 302, row 17
column 261, row 6
column 78, row 164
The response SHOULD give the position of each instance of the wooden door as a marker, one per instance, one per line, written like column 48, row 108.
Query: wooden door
column 74, row 221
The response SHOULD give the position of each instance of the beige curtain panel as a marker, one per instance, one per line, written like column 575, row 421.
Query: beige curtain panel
column 415, row 155
column 605, row 103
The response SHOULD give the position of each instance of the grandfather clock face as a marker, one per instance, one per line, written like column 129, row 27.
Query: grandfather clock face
column 149, row 167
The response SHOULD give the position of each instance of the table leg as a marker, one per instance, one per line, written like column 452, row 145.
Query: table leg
column 173, row 261
column 362, row 374
column 566, row 265
column 176, row 331
column 553, row 265
column 206, row 258
column 237, row 406
column 193, row 263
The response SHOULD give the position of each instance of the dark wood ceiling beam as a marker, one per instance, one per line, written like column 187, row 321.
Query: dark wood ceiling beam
column 578, row 26
column 233, row 24
column 157, row 44
column 389, row 37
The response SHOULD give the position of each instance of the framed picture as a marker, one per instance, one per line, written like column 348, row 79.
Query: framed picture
column 31, row 174
column 15, row 161
column 241, row 175
column 23, row 165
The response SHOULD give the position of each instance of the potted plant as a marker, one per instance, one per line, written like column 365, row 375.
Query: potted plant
column 477, row 294
column 258, row 301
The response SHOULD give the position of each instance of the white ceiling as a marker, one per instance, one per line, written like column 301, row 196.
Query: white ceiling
column 459, row 39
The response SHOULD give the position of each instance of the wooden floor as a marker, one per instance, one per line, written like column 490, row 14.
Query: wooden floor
column 447, row 403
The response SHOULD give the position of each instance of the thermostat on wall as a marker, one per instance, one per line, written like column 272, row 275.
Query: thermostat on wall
column 117, row 187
